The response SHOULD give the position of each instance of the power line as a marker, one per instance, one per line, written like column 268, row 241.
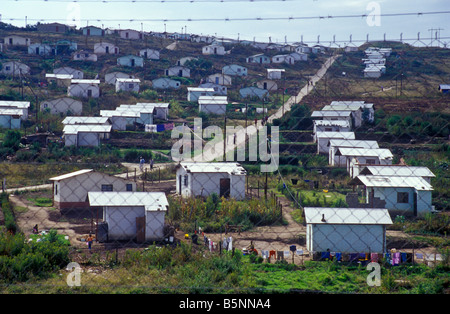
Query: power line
column 239, row 19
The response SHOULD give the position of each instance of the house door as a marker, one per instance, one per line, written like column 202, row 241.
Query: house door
column 37, row 50
column 107, row 49
column 180, row 184
column 180, row 73
column 140, row 229
column 132, row 62
column 225, row 187
column 415, row 203
column 265, row 85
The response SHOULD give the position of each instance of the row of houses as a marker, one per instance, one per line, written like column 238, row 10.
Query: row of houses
column 401, row 189
column 375, row 61
column 127, row 214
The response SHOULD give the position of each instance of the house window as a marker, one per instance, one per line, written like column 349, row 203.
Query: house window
column 370, row 161
column 129, row 187
column 107, row 187
column 402, row 197
column 130, row 86
column 186, row 178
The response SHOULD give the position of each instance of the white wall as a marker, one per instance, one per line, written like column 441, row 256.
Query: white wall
column 345, row 238
column 75, row 189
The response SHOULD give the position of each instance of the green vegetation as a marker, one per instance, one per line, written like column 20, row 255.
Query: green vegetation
column 214, row 213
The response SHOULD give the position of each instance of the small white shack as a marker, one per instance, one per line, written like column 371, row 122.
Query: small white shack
column 323, row 139
column 334, row 144
column 62, row 105
column 213, row 104
column 127, row 84
column 408, row 195
column 193, row 93
column 364, row 156
column 84, row 88
column 398, row 171
column 226, row 179
column 85, row 134
column 136, row 216
column 346, row 230
column 70, row 190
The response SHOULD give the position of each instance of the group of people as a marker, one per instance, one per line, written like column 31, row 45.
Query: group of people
column 142, row 162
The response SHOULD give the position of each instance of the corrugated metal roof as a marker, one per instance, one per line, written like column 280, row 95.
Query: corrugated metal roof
column 217, row 167
column 366, row 152
column 11, row 112
column 398, row 171
column 342, row 135
column 342, row 107
column 88, row 128
column 343, row 123
column 70, row 175
column 351, row 216
column 353, row 143
column 85, row 120
column 85, row 81
column 152, row 201
column 331, row 113
column 119, row 113
column 213, row 100
column 417, row 183
column 16, row 104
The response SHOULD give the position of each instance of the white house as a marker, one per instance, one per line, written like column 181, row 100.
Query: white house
column 333, row 115
column 136, row 216
column 323, row 139
column 105, row 48
column 159, row 110
column 355, row 109
column 213, row 104
column 219, row 90
column 334, row 144
column 120, row 119
column 274, row 74
column 84, row 55
column 258, row 58
column 85, row 134
column 14, row 68
column 346, row 230
column 330, row 126
column 268, row 85
column 195, row 92
column 131, row 61
column 408, row 195
column 85, row 120
column 165, row 83
column 23, row 106
column 10, row 118
column 398, row 171
column 70, row 191
column 283, row 59
column 13, row 40
column 110, row 78
column 213, row 50
column 84, row 88
column 180, row 71
column 62, row 80
column 253, row 92
column 367, row 109
column 148, row 53
column 226, row 179
column 299, row 56
column 62, row 105
column 41, row 49
column 76, row 74
column 219, row 78
column 235, row 70
column 130, row 34
column 127, row 84
column 354, row 157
